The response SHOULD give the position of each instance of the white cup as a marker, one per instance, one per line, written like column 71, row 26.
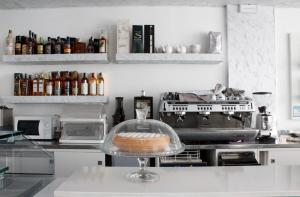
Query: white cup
column 167, row 49
column 181, row 49
column 195, row 48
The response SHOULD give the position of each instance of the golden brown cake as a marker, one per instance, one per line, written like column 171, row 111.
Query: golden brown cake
column 141, row 142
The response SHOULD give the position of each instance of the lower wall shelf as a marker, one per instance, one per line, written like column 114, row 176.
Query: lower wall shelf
column 53, row 99
column 165, row 58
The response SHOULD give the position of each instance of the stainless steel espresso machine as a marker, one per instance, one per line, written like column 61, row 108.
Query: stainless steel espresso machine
column 223, row 115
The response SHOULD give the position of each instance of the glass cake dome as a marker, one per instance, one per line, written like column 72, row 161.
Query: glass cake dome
column 142, row 138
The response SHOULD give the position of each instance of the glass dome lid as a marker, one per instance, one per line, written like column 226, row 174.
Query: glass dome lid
column 142, row 138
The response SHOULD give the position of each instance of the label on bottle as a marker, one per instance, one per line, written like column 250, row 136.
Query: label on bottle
column 75, row 88
column 67, row 88
column 57, row 49
column 93, row 88
column 57, row 91
column 102, row 44
column 35, row 87
column 24, row 49
column 100, row 89
column 18, row 49
column 41, row 87
column 67, row 50
column 49, row 89
column 84, row 88
column 40, row 49
column 48, row 49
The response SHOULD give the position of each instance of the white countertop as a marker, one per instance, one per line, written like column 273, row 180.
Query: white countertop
column 185, row 182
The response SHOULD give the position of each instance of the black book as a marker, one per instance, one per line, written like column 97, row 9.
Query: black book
column 137, row 39
column 149, row 39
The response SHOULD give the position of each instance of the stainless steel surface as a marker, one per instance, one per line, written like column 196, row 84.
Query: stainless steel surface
column 6, row 117
column 190, row 156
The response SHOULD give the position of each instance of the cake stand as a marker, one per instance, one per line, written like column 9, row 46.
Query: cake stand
column 144, row 126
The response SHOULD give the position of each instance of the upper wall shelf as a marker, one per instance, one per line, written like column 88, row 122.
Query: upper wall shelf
column 82, row 58
column 53, row 99
column 21, row 4
column 165, row 58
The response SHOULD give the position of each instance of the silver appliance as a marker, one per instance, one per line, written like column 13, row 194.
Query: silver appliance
column 224, row 117
column 41, row 127
column 6, row 118
column 83, row 130
column 264, row 120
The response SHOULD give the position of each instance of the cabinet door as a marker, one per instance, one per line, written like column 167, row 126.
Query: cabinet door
column 66, row 162
column 284, row 157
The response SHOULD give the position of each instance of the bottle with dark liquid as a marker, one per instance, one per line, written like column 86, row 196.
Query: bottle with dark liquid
column 24, row 87
column 40, row 47
column 119, row 115
column 84, row 85
column 48, row 47
column 90, row 46
column 57, row 85
column 18, row 45
column 29, row 44
column 57, row 48
column 34, row 43
column 17, row 88
column 35, row 85
column 67, row 46
column 30, row 86
column 41, row 85
column 66, row 85
column 24, row 45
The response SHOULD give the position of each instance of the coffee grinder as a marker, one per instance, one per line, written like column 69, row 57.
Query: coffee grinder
column 264, row 119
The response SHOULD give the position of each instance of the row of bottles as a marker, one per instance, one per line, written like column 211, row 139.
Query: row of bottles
column 63, row 83
column 28, row 45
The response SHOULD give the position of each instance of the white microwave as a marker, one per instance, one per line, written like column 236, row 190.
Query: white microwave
column 37, row 127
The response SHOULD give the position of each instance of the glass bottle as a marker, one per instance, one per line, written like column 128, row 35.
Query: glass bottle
column 24, row 86
column 66, row 84
column 35, row 85
column 57, row 48
column 74, row 83
column 93, row 85
column 49, row 85
column 24, row 45
column 34, row 43
column 48, row 47
column 90, row 46
column 17, row 87
column 30, row 86
column 67, row 46
column 103, row 43
column 9, row 43
column 119, row 115
column 40, row 47
column 29, row 44
column 18, row 46
column 84, row 85
column 41, row 85
column 100, row 85
column 57, row 85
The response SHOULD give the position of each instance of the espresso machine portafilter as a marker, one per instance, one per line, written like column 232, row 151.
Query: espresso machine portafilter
column 264, row 119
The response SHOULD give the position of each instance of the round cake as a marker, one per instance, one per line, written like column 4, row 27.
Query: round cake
column 141, row 142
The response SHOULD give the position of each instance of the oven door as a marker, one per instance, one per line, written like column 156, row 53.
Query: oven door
column 30, row 128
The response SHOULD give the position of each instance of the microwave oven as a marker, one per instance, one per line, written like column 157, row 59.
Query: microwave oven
column 83, row 130
column 37, row 127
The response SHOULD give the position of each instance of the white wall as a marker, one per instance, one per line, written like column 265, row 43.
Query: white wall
column 174, row 25
column 286, row 21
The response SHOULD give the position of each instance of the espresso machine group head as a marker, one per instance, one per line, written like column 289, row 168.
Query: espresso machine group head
column 264, row 119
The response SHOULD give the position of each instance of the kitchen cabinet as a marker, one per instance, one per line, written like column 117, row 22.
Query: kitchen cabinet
column 67, row 161
column 286, row 156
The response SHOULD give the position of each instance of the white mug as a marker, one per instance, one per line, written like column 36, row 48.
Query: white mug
column 195, row 48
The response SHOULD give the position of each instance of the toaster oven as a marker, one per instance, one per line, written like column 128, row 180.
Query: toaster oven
column 83, row 131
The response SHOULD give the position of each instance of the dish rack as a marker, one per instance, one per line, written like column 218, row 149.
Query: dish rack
column 187, row 156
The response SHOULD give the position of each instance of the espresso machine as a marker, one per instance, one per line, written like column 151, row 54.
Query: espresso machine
column 224, row 115
column 264, row 119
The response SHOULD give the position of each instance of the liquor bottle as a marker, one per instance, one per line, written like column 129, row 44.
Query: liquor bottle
column 41, row 85
column 57, row 85
column 74, row 83
column 84, row 85
column 40, row 47
column 18, row 46
column 102, row 43
column 48, row 47
column 137, row 39
column 93, row 85
column 24, row 86
column 29, row 44
column 100, row 85
column 49, row 85
column 30, row 86
column 24, row 45
column 149, row 39
column 119, row 115
column 9, row 43
column 53, row 43
column 67, row 46
column 17, row 88
column 35, row 85
column 62, row 82
column 57, row 48
column 96, row 45
column 34, row 43
column 90, row 46
column 66, row 85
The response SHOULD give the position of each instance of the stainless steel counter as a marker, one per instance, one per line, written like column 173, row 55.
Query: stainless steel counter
column 280, row 143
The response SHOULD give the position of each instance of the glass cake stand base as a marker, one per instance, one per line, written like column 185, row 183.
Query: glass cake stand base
column 143, row 175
